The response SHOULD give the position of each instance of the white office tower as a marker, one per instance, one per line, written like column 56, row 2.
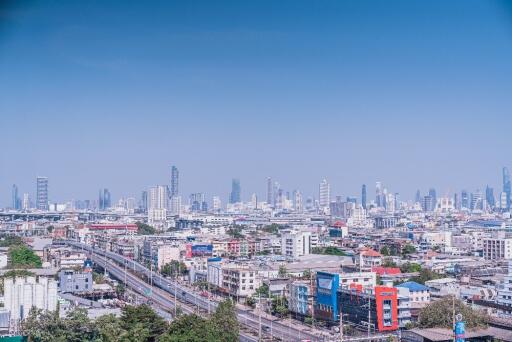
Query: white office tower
column 217, row 204
column 324, row 194
column 503, row 200
column 23, row 293
column 504, row 296
column 26, row 202
column 295, row 243
column 158, row 203
column 297, row 202
column 176, row 205
column 254, row 201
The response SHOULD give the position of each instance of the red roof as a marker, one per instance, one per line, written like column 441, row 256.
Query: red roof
column 380, row 270
column 339, row 224
column 370, row 253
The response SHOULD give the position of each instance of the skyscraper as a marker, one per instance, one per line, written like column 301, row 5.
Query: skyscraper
column 324, row 194
column 464, row 200
column 489, row 196
column 158, row 202
column 432, row 193
column 174, row 181
column 16, row 202
column 418, row 196
column 507, row 187
column 144, row 201
column 379, row 198
column 235, row 191
column 297, row 201
column 197, row 202
column 270, row 191
column 363, row 196
column 104, row 199
column 42, row 193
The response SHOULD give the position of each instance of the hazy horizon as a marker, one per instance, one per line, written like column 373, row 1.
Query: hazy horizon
column 415, row 94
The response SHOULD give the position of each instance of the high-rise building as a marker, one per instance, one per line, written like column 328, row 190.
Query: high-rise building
column 417, row 199
column 104, row 199
column 144, row 201
column 489, row 196
column 507, row 187
column 464, row 200
column 174, row 181
column 297, row 201
column 363, row 196
column 26, row 202
column 379, row 195
column 324, row 194
column 270, row 191
column 254, row 201
column 176, row 205
column 217, row 205
column 42, row 193
column 235, row 196
column 432, row 193
column 16, row 202
column 197, row 202
column 476, row 200
column 456, row 203
column 428, row 203
column 158, row 198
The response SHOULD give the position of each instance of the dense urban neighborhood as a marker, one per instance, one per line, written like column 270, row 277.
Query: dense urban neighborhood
column 285, row 268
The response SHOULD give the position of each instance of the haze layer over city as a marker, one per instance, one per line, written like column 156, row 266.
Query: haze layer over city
column 352, row 92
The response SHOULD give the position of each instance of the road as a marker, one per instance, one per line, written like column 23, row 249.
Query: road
column 163, row 287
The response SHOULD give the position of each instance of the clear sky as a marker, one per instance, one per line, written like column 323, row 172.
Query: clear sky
column 112, row 93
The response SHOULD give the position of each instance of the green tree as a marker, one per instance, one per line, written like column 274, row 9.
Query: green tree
column 306, row 274
column 262, row 291
column 190, row 328
column 330, row 250
column 172, row 268
column 235, row 232
column 279, row 306
column 49, row 327
column 439, row 314
column 283, row 272
column 426, row 275
column 145, row 229
column 384, row 251
column 388, row 262
column 10, row 240
column 109, row 328
column 410, row 267
column 21, row 256
column 225, row 322
column 271, row 229
column 408, row 249
column 135, row 317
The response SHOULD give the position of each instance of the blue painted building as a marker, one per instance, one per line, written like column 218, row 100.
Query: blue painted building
column 326, row 305
column 299, row 298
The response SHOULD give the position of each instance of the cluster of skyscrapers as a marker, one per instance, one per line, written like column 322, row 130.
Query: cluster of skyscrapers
column 158, row 200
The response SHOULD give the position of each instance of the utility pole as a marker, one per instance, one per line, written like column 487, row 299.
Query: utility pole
column 312, row 300
column 175, row 297
column 453, row 317
column 259, row 316
column 341, row 325
column 369, row 314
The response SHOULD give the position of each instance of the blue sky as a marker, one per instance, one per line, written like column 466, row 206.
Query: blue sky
column 112, row 93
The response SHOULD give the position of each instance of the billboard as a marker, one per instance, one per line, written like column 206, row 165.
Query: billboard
column 326, row 298
column 202, row 250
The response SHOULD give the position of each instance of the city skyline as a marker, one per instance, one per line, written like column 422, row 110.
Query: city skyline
column 367, row 194
column 351, row 92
